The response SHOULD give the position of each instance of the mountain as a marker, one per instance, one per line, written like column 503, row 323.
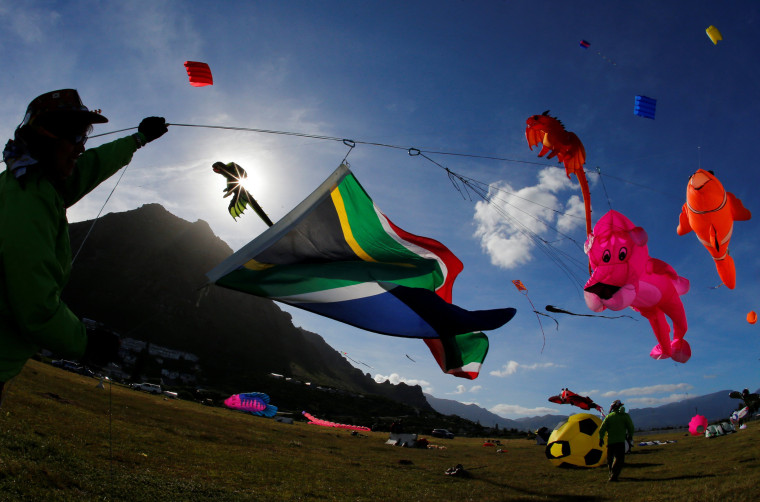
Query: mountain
column 471, row 412
column 715, row 406
column 142, row 273
column 485, row 418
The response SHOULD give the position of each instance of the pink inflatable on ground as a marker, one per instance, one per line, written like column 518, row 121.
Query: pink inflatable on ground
column 698, row 425
column 624, row 275
column 255, row 403
column 324, row 423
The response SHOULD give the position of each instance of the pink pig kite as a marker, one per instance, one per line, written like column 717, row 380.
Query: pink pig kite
column 625, row 276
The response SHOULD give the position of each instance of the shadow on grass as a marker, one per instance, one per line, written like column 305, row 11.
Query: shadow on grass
column 639, row 465
column 533, row 494
column 673, row 478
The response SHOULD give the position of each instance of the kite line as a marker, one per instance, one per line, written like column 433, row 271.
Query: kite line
column 351, row 143
column 463, row 184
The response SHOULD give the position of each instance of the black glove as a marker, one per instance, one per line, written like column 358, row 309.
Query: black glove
column 102, row 346
column 153, row 128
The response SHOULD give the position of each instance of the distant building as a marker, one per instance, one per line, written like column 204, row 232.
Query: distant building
column 176, row 366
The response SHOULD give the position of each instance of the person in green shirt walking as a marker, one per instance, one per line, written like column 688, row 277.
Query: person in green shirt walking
column 47, row 171
column 618, row 426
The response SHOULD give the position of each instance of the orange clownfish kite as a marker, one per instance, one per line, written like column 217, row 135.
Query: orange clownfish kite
column 711, row 212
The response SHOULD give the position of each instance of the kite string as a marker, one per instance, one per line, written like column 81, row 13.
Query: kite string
column 110, row 433
column 599, row 172
column 539, row 320
column 412, row 151
column 350, row 144
column 81, row 245
column 465, row 186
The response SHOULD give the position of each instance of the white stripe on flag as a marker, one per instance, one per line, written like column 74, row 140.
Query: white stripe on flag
column 335, row 295
column 414, row 248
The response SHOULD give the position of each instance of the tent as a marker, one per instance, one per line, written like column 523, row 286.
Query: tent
column 400, row 439
column 720, row 429
column 542, row 435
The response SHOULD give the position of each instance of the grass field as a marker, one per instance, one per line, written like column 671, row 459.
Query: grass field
column 58, row 442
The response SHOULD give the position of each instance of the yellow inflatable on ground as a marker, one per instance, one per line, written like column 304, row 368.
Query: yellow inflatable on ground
column 576, row 442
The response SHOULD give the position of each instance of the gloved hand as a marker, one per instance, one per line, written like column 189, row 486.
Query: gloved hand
column 153, row 128
column 102, row 346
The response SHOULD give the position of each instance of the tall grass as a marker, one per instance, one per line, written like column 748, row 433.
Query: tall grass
column 62, row 438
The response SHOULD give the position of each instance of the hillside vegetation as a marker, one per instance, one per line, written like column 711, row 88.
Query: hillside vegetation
column 65, row 439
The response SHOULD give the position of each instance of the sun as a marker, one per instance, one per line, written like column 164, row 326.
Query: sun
column 249, row 184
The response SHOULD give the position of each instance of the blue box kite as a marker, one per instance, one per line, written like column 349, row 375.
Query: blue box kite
column 644, row 107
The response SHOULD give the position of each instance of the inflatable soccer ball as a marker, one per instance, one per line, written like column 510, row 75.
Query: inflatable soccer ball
column 576, row 442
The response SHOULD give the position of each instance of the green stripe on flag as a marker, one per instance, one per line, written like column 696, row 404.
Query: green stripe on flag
column 288, row 280
column 372, row 237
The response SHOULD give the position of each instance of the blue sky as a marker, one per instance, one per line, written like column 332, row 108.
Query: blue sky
column 446, row 76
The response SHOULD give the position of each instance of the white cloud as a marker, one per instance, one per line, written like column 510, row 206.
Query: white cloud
column 395, row 379
column 656, row 401
column 512, row 366
column 652, row 389
column 508, row 224
column 516, row 409
column 508, row 369
column 461, row 389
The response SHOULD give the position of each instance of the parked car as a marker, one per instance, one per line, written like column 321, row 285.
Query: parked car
column 147, row 387
column 63, row 363
column 442, row 433
column 73, row 367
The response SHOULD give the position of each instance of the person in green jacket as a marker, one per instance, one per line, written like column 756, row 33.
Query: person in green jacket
column 47, row 171
column 618, row 426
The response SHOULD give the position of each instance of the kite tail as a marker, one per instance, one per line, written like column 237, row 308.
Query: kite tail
column 581, row 175
column 258, row 209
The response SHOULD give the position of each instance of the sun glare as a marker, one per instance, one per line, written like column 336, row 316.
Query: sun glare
column 250, row 185
column 255, row 182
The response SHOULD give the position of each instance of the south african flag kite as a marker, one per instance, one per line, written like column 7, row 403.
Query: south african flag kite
column 337, row 255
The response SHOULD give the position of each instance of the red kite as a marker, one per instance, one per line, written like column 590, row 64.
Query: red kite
column 550, row 133
column 199, row 74
column 569, row 397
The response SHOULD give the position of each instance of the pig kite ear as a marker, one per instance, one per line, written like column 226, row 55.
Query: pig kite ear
column 639, row 236
column 589, row 242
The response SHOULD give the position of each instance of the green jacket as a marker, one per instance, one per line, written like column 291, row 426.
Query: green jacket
column 35, row 256
column 617, row 425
